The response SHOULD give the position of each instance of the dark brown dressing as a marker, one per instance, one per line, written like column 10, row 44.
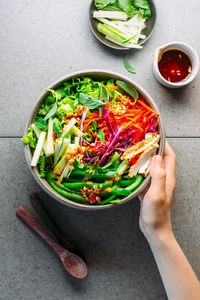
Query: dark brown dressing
column 174, row 65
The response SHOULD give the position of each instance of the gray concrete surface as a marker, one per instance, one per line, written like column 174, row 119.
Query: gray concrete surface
column 41, row 41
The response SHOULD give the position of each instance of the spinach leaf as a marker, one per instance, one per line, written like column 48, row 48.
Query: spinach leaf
column 128, row 89
column 90, row 102
column 128, row 66
column 41, row 123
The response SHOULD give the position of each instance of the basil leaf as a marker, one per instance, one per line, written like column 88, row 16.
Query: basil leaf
column 101, row 135
column 51, row 112
column 90, row 102
column 128, row 89
column 41, row 123
column 128, row 66
column 103, row 94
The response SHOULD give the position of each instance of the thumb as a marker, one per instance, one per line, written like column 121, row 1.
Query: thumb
column 158, row 177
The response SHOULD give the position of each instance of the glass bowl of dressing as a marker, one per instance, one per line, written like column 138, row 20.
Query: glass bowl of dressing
column 175, row 64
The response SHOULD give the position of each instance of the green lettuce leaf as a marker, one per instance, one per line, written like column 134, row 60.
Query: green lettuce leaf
column 30, row 138
column 101, row 4
column 128, row 7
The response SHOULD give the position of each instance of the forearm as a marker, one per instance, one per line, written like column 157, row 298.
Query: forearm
column 178, row 277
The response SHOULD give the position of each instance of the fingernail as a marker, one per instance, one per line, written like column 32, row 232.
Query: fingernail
column 158, row 161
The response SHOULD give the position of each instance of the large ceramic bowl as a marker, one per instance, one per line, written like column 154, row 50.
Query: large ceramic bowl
column 98, row 75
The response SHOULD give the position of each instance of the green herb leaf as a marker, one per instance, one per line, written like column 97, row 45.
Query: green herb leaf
column 90, row 102
column 128, row 89
column 41, row 123
column 129, row 67
column 103, row 94
column 101, row 135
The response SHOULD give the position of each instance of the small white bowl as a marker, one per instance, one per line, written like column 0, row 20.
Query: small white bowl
column 189, row 51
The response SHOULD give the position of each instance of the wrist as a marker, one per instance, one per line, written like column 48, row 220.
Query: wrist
column 159, row 238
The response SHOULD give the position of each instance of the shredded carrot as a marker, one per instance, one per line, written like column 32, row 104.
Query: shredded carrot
column 138, row 126
column 147, row 107
column 128, row 124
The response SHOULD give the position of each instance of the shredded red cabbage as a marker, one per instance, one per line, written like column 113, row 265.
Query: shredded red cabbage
column 111, row 145
column 108, row 116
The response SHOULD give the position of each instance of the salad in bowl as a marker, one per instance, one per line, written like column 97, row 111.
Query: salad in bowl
column 91, row 138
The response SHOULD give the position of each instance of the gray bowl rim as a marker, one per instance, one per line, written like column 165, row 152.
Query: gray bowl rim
column 93, row 73
column 113, row 45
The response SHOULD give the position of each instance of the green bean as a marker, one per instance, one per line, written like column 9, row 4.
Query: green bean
column 121, row 192
column 128, row 190
column 63, row 187
column 74, row 185
column 78, row 185
column 114, row 158
column 100, row 185
column 108, row 200
column 136, row 184
column 108, row 174
column 117, row 201
column 125, row 183
column 62, row 192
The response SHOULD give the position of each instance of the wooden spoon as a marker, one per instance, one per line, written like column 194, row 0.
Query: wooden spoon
column 72, row 263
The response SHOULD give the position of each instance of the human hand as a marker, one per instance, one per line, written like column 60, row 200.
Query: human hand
column 155, row 210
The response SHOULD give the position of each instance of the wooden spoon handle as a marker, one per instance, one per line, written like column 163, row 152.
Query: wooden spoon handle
column 29, row 219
